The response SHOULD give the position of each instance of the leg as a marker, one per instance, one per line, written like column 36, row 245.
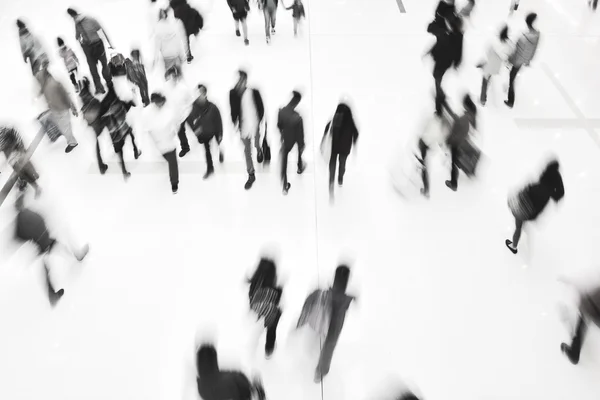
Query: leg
column 273, row 15
column 267, row 16
column 342, row 171
column 332, row 165
column 185, row 146
column 301, row 147
column 484, row 87
column 326, row 356
column 171, row 158
column 93, row 65
column 296, row 22
column 248, row 155
column 454, row 170
column 517, row 233
column 101, row 166
column 284, row 162
column 574, row 350
column 63, row 121
column 511, row 86
column 126, row 173
column 424, row 174
column 245, row 28
column 271, row 337
column 144, row 93
column 209, row 162
column 189, row 52
column 258, row 145
column 103, row 61
column 74, row 79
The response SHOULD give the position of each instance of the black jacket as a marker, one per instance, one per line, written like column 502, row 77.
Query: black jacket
column 291, row 126
column 343, row 138
column 207, row 117
column 550, row 186
column 235, row 102
column 448, row 49
column 191, row 18
column 32, row 227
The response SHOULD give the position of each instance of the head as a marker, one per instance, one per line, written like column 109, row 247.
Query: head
column 158, row 99
column 342, row 114
column 341, row 278
column 60, row 42
column 552, row 167
column 530, row 20
column 296, row 98
column 206, row 360
column 135, row 55
column 265, row 275
column 74, row 14
column 21, row 25
column 242, row 82
column 504, row 34
column 202, row 94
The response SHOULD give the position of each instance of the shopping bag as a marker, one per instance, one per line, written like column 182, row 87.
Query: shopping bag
column 468, row 158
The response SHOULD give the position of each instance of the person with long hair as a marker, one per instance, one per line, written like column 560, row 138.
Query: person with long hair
column 530, row 202
column 265, row 295
column 344, row 135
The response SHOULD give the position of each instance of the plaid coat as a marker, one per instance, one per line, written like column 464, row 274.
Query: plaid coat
column 265, row 303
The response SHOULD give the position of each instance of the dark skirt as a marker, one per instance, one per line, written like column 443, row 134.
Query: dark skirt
column 521, row 207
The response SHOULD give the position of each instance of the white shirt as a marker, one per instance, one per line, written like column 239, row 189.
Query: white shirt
column 181, row 97
column 170, row 38
column 250, row 121
column 162, row 125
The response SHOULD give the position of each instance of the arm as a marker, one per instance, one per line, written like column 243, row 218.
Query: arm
column 234, row 107
column 219, row 123
column 559, row 190
column 260, row 107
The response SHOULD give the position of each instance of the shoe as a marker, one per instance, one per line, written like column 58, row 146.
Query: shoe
column 451, row 186
column 425, row 193
column 237, row 33
column 221, row 158
column 340, row 181
column 483, row 103
column 509, row 105
column 84, row 253
column 246, row 42
column 269, row 353
column 53, row 296
column 100, row 90
column 174, row 188
column 137, row 155
column 301, row 168
column 286, row 188
column 103, row 169
column 183, row 152
column 510, row 247
column 250, row 182
column 268, row 40
column 71, row 147
column 259, row 157
column 208, row 173
column 190, row 59
column 318, row 377
column 127, row 175
column 568, row 352
column 272, row 31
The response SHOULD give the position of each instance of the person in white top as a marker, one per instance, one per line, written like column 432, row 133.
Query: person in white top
column 161, row 122
column 181, row 98
column 497, row 55
column 171, row 43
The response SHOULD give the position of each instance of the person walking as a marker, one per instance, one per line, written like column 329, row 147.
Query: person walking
column 59, row 104
column 593, row 4
column 205, row 120
column 530, row 202
column 32, row 49
column 191, row 19
column 180, row 99
column 297, row 13
column 524, row 52
column 291, row 126
column 343, row 133
column 269, row 8
column 514, row 6
column 239, row 10
column 247, row 114
column 71, row 62
column 89, row 33
column 162, row 122
column 136, row 73
column 496, row 57
column 170, row 41
column 11, row 145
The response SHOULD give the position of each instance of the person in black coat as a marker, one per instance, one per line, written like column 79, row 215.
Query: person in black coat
column 247, row 113
column 191, row 19
column 239, row 9
column 214, row 384
column 531, row 201
column 205, row 120
column 344, row 135
column 291, row 126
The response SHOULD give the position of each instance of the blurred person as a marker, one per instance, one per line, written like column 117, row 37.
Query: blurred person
column 459, row 135
column 162, row 122
column 216, row 384
column 11, row 145
column 247, row 113
column 530, row 202
column 71, row 62
column 181, row 99
column 170, row 41
column 325, row 312
column 89, row 33
column 467, row 9
column 444, row 11
column 593, row 4
column 265, row 296
column 291, row 126
column 524, row 52
column 136, row 73
column 239, row 10
column 269, row 8
column 432, row 134
column 191, row 19
column 31, row 227
column 496, row 57
column 32, row 49
column 343, row 134
column 123, row 86
column 297, row 13
column 59, row 103
column 205, row 120
column 514, row 6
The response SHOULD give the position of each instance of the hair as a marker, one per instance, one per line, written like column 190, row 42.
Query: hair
column 157, row 98
column 264, row 276
column 60, row 41
column 504, row 34
column 206, row 360
column 202, row 88
column 135, row 54
column 344, row 113
column 72, row 12
column 341, row 277
column 296, row 96
column 530, row 20
column 243, row 74
column 552, row 180
column 21, row 24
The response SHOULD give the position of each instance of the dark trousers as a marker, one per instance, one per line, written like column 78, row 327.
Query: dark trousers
column 143, row 86
column 171, row 158
column 484, row 88
column 578, row 339
column 424, row 174
column 285, row 151
column 205, row 141
column 73, row 76
column 185, row 145
column 332, row 165
column 440, row 97
column 454, row 168
column 119, row 150
column 95, row 53
column 271, row 336
column 511, row 85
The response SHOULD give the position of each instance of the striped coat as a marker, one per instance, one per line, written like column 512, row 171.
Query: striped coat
column 265, row 303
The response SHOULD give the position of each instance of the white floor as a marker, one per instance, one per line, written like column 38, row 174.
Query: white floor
column 441, row 305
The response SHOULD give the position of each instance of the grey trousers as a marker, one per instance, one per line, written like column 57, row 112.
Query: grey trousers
column 270, row 19
column 62, row 120
column 248, row 151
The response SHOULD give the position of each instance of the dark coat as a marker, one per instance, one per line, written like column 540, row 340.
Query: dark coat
column 343, row 138
column 448, row 50
column 224, row 385
column 539, row 194
column 291, row 126
column 590, row 306
column 32, row 227
column 207, row 117
column 191, row 18
column 235, row 102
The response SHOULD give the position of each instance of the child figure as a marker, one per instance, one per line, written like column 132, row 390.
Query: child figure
column 297, row 13
column 136, row 73
column 71, row 62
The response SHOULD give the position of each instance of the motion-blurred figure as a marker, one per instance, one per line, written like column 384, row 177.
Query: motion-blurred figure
column 11, row 145
column 123, row 86
column 239, row 10
column 531, row 201
column 170, row 41
column 247, row 114
column 206, row 122
column 593, row 4
column 191, row 19
column 136, row 73
column 342, row 133
column 214, row 384
column 523, row 54
column 298, row 14
column 89, row 33
column 269, row 8
column 496, row 57
column 291, row 126
column 31, row 226
column 432, row 134
column 514, row 6
column 325, row 312
column 71, row 62
column 264, row 296
column 32, row 49
column 181, row 99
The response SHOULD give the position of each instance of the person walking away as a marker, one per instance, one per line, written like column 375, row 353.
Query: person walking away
column 593, row 4
column 136, row 73
column 269, row 8
column 239, row 10
column 191, row 19
column 523, row 54
column 215, row 384
column 170, row 42
column 31, row 227
column 459, row 134
column 71, row 62
column 11, row 145
column 59, row 104
column 162, row 122
column 32, row 49
column 531, row 201
column 180, row 99
column 205, row 120
column 298, row 14
column 265, row 296
column 89, row 33
column 291, row 126
column 496, row 57
column 247, row 113
column 344, row 135
column 93, row 115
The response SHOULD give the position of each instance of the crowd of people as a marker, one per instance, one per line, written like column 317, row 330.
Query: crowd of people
column 168, row 115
